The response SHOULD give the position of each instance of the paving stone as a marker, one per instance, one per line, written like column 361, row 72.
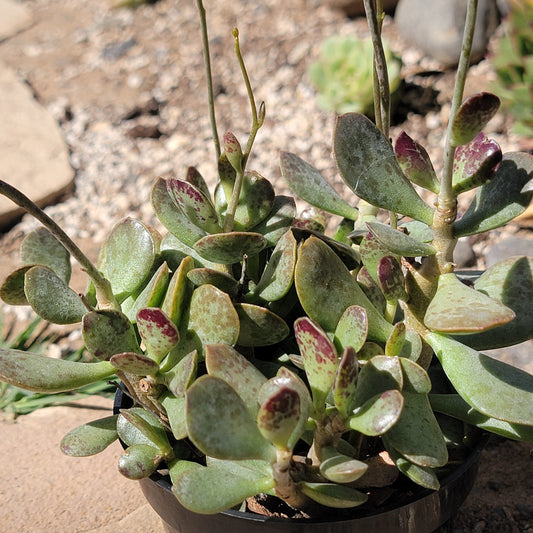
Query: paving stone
column 14, row 17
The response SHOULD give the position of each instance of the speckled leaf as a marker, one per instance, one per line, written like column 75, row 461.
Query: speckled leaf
column 371, row 289
column 12, row 288
column 51, row 298
column 418, row 230
column 194, row 177
column 332, row 495
column 126, row 270
column 500, row 390
column 157, row 331
column 307, row 182
column 425, row 477
column 278, row 275
column 341, row 468
column 378, row 414
column 278, row 220
column 220, row 425
column 175, row 409
column 134, row 363
column 475, row 163
column 457, row 308
column 172, row 217
column 213, row 317
column 311, row 225
column 319, row 356
column 173, row 251
column 108, row 332
column 395, row 342
column 178, row 292
column 511, row 283
column 326, row 288
column 180, row 377
column 500, row 200
column 418, row 419
column 390, row 279
column 372, row 251
column 209, row 276
column 228, row 248
column 40, row 247
column 259, row 326
column 139, row 461
column 139, row 426
column 194, row 204
column 91, row 438
column 225, row 362
column 398, row 242
column 369, row 350
column 415, row 378
column 472, row 116
column 367, row 164
column 415, row 163
column 412, row 346
column 38, row 373
column 345, row 381
column 352, row 328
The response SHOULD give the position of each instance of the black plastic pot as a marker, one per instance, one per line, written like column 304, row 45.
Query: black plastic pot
column 424, row 513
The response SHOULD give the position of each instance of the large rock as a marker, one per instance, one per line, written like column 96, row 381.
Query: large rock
column 436, row 27
column 34, row 157
column 14, row 17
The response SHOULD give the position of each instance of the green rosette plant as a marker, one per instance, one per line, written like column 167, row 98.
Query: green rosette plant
column 263, row 356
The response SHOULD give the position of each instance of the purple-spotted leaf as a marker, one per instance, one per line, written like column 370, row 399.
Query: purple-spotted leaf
column 475, row 163
column 417, row 419
column 139, row 461
column 157, row 331
column 175, row 409
column 501, row 199
column 173, row 251
column 319, row 356
column 368, row 165
column 134, row 363
column 181, row 376
column 372, row 251
column 178, row 292
column 140, row 426
column 423, row 476
column 345, row 382
column 172, row 217
column 210, row 276
column 326, row 288
column 378, row 414
column 307, row 182
column 457, row 308
column 220, row 425
column 278, row 220
column 390, row 279
column 194, row 177
column 371, row 288
column 352, row 328
column 12, row 288
column 259, row 327
column 341, row 468
column 415, row 378
column 500, row 390
column 194, row 204
column 41, row 247
column 369, row 350
column 278, row 275
column 38, row 373
column 225, row 362
column 396, row 340
column 472, row 117
column 310, row 224
column 415, row 163
column 399, row 243
column 108, row 332
column 51, row 298
column 333, row 495
column 228, row 248
column 233, row 151
column 91, row 438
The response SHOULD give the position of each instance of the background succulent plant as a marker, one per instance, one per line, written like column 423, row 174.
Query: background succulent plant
column 263, row 356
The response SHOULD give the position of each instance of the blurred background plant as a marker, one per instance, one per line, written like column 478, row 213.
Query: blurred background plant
column 343, row 74
column 513, row 63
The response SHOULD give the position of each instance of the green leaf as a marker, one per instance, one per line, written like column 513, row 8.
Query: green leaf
column 38, row 373
column 90, row 438
column 278, row 220
column 307, row 182
column 178, row 292
column 181, row 375
column 12, row 288
column 332, row 495
column 396, row 340
column 220, row 425
column 134, row 363
column 41, row 247
column 259, row 326
column 157, row 331
column 415, row 378
column 139, row 461
column 51, row 298
column 390, row 279
column 500, row 200
column 175, row 409
column 140, row 426
column 209, row 276
column 423, row 476
column 229, row 248
column 398, row 242
column 457, row 308
column 378, row 414
column 499, row 390
column 345, row 381
column 341, row 468
column 352, row 328
column 367, row 164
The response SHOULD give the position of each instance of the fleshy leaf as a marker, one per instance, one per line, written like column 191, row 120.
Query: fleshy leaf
column 157, row 331
column 423, row 476
column 90, row 438
column 378, row 414
column 341, row 468
column 139, row 426
column 221, row 280
column 278, row 220
column 139, row 461
column 345, row 381
column 307, row 182
column 173, row 251
column 181, row 375
column 259, row 326
column 134, row 363
column 457, row 308
column 371, row 288
column 51, row 298
column 220, row 425
column 352, row 328
column 415, row 163
column 194, row 177
column 499, row 391
column 228, row 248
column 396, row 340
column 398, row 242
column 367, row 164
column 12, row 288
column 472, row 116
column 500, row 200
column 332, row 495
column 415, row 378
column 372, row 251
column 175, row 409
column 178, row 291
column 38, row 373
column 390, row 279
column 40, row 247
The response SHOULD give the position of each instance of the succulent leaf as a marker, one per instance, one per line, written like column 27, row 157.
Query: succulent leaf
column 157, row 331
column 139, row 461
column 352, row 329
column 415, row 378
column 91, row 438
column 194, row 177
column 229, row 248
column 396, row 340
column 134, row 363
column 423, row 476
column 12, row 288
column 175, row 410
column 209, row 276
column 178, row 291
column 390, row 279
column 371, row 288
column 259, row 326
column 278, row 220
column 378, row 414
column 140, row 426
column 332, row 495
column 345, row 381
column 181, row 375
column 398, row 242
column 341, row 468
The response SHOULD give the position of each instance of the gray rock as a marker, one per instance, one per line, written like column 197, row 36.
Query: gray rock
column 436, row 27
column 14, row 17
column 33, row 154
column 509, row 247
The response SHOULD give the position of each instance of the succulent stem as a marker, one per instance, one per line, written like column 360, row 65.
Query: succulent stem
column 103, row 287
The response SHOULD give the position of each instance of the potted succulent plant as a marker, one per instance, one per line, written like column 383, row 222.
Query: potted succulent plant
column 268, row 363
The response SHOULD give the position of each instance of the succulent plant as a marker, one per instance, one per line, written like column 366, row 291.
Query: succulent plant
column 343, row 74
column 265, row 357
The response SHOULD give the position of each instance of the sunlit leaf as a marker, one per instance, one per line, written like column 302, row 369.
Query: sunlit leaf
column 90, row 438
